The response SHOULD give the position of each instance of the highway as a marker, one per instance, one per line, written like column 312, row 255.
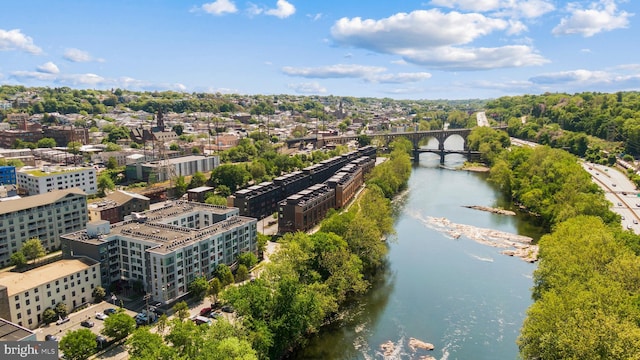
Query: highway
column 619, row 191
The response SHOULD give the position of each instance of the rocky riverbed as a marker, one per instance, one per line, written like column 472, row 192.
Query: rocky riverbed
column 512, row 244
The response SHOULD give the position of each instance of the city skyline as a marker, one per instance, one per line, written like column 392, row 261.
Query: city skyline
column 437, row 49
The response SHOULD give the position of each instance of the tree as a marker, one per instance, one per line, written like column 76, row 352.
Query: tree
column 119, row 325
column 181, row 186
column 33, row 249
column 198, row 288
column 224, row 274
column 214, row 289
column 78, row 345
column 174, row 147
column 242, row 273
column 248, row 259
column 61, row 310
column 46, row 143
column 232, row 176
column 18, row 259
column 195, row 150
column 181, row 309
column 74, row 147
column 112, row 147
column 214, row 199
column 112, row 163
column 98, row 293
column 198, row 179
column 178, row 129
column 143, row 344
column 49, row 315
column 105, row 183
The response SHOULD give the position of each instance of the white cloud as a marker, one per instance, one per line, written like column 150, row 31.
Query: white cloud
column 400, row 62
column 308, row 88
column 94, row 81
column 334, row 71
column 220, row 7
column 600, row 16
column 453, row 58
column 373, row 74
column 32, row 75
column 315, row 17
column 283, row 9
column 519, row 9
column 49, row 68
column 574, row 76
column 254, row 10
column 400, row 78
column 16, row 40
column 77, row 55
column 419, row 29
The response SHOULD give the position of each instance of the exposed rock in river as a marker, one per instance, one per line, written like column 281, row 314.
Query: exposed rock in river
column 418, row 344
column 513, row 244
column 491, row 210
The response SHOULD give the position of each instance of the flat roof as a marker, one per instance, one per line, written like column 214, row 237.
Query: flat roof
column 20, row 282
column 13, row 332
column 154, row 227
column 29, row 202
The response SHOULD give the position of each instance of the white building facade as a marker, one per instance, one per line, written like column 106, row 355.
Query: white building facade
column 25, row 296
column 166, row 249
column 36, row 182
column 45, row 216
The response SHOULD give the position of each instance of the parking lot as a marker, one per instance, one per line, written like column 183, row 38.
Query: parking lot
column 75, row 319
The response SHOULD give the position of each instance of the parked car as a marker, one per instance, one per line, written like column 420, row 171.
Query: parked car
column 214, row 315
column 110, row 311
column 205, row 311
column 87, row 323
column 50, row 337
column 62, row 321
column 101, row 316
column 228, row 309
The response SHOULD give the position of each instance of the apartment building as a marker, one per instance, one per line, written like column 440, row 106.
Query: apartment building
column 45, row 216
column 304, row 210
column 163, row 170
column 165, row 249
column 36, row 181
column 25, row 296
column 116, row 205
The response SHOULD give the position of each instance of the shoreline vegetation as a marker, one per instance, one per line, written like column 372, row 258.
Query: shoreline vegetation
column 587, row 284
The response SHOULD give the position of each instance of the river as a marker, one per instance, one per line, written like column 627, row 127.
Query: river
column 465, row 298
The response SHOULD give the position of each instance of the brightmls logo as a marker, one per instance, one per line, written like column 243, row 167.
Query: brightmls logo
column 33, row 350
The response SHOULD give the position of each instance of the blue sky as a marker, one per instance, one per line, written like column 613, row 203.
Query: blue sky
column 403, row 49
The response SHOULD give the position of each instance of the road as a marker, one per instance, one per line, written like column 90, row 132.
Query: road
column 620, row 191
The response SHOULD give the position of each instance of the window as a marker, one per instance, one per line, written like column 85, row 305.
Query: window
column 17, row 298
column 28, row 311
column 18, row 306
column 38, row 308
column 19, row 316
column 64, row 297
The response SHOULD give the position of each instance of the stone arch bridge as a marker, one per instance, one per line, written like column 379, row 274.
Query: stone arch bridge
column 416, row 137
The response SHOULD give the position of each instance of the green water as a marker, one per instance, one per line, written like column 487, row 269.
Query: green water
column 464, row 297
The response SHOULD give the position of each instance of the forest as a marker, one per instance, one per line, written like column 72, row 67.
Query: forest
column 586, row 291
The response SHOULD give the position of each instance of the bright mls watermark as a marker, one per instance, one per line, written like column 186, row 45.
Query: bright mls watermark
column 32, row 350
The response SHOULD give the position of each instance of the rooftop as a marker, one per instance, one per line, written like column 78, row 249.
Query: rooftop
column 154, row 228
column 30, row 202
column 20, row 282
column 12, row 332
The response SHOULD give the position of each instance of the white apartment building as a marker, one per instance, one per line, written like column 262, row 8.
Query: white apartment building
column 165, row 249
column 48, row 179
column 45, row 217
column 25, row 296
